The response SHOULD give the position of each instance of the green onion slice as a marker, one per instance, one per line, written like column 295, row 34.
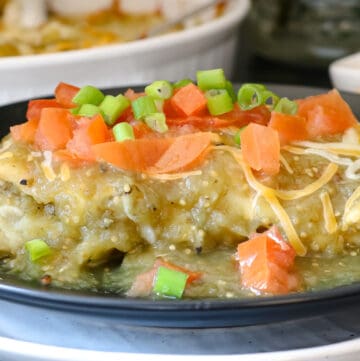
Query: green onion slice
column 75, row 111
column 37, row 248
column 112, row 107
column 169, row 283
column 88, row 95
column 157, row 122
column 143, row 106
column 181, row 83
column 160, row 89
column 249, row 96
column 230, row 90
column 269, row 98
column 89, row 110
column 123, row 131
column 286, row 106
column 219, row 101
column 211, row 79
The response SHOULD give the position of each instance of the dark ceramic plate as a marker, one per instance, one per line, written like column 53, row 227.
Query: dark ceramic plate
column 184, row 313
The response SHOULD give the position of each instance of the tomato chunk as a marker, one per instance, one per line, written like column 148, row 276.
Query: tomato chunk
column 260, row 146
column 326, row 114
column 90, row 131
column 54, row 130
column 289, row 127
column 266, row 264
column 189, row 100
column 64, row 94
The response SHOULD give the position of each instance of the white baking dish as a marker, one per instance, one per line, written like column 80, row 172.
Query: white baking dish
column 171, row 56
column 345, row 73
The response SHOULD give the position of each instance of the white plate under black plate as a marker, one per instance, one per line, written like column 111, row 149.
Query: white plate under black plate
column 113, row 309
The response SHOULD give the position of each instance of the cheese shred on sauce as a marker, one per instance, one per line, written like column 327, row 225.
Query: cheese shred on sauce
column 331, row 225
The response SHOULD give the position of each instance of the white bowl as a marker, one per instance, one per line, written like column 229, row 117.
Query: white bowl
column 171, row 56
column 345, row 73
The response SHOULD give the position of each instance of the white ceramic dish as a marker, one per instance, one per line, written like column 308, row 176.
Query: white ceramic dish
column 345, row 73
column 171, row 56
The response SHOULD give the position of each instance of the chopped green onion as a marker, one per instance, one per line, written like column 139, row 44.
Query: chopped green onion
column 230, row 90
column 37, row 248
column 112, row 107
column 75, row 111
column 181, row 83
column 249, row 96
column 219, row 101
column 88, row 95
column 143, row 106
column 89, row 110
column 211, row 79
column 157, row 122
column 159, row 105
column 286, row 106
column 237, row 136
column 169, row 283
column 267, row 96
column 123, row 131
column 160, row 89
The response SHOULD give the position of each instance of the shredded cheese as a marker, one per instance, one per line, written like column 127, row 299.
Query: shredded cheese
column 331, row 225
column 46, row 166
column 6, row 155
column 350, row 202
column 6, row 145
column 175, row 176
column 254, row 204
column 321, row 153
column 286, row 165
column 270, row 197
column 329, row 172
column 64, row 172
column 352, row 170
column 352, row 150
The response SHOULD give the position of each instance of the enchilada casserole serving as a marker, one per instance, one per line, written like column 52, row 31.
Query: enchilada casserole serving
column 183, row 190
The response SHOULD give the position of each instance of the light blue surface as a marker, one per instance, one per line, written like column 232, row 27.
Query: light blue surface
column 57, row 329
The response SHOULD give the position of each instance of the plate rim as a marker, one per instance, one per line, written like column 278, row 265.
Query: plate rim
column 74, row 301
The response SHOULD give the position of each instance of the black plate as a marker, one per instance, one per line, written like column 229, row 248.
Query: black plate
column 183, row 313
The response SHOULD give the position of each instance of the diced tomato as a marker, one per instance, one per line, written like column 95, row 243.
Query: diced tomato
column 54, row 129
column 237, row 117
column 189, row 100
column 90, row 131
column 260, row 146
column 326, row 114
column 266, row 264
column 24, row 132
column 36, row 106
column 240, row 118
column 64, row 94
column 289, row 127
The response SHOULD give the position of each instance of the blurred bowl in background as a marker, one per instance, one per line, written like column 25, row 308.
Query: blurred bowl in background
column 345, row 73
column 171, row 56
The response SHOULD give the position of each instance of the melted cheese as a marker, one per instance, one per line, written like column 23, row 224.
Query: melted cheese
column 174, row 176
column 352, row 150
column 349, row 204
column 331, row 225
column 286, row 165
column 321, row 153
